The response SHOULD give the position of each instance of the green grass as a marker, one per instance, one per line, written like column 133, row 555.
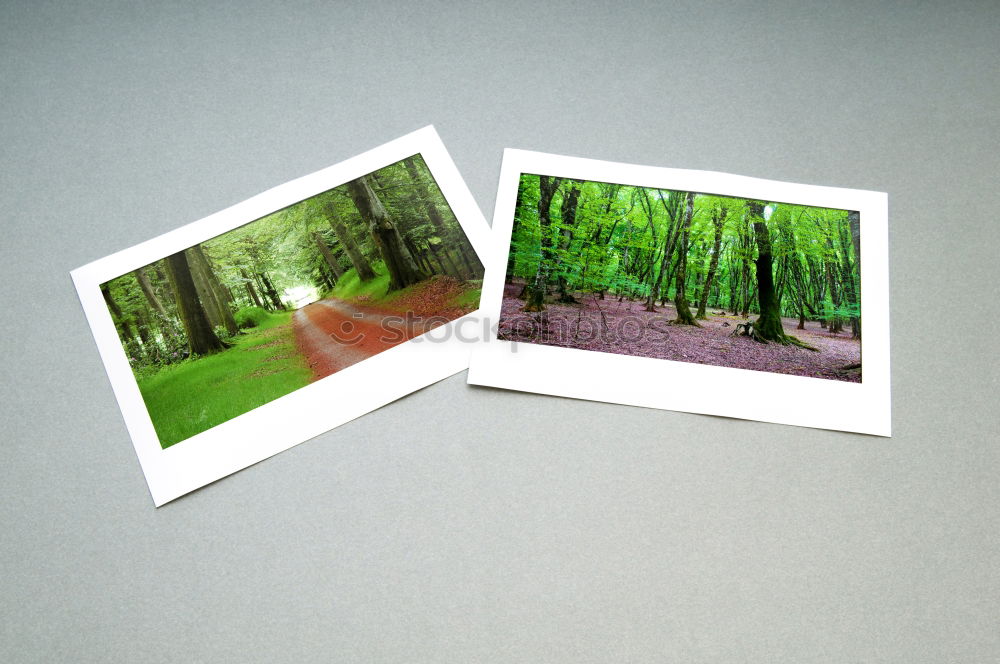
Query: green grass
column 350, row 286
column 469, row 298
column 195, row 395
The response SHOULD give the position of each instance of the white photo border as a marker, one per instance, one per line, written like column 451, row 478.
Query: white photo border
column 664, row 384
column 310, row 410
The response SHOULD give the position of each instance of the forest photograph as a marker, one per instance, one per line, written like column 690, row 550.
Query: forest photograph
column 236, row 321
column 684, row 276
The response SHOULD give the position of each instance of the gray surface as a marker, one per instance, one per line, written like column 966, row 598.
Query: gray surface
column 474, row 525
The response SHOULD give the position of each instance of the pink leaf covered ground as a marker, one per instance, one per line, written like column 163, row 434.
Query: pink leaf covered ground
column 628, row 329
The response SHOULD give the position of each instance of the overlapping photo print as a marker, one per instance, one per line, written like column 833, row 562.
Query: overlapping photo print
column 256, row 328
column 688, row 290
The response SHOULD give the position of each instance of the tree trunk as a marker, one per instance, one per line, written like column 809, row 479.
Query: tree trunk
column 649, row 262
column 536, row 290
column 124, row 326
column 252, row 295
column 270, row 291
column 684, row 316
column 745, row 281
column 733, row 283
column 847, row 278
column 224, row 295
column 419, row 256
column 205, row 294
column 165, row 322
column 216, row 292
column 201, row 337
column 358, row 260
column 836, row 324
column 567, row 216
column 672, row 204
column 147, row 290
column 768, row 325
column 251, row 291
column 425, row 199
column 718, row 221
column 328, row 256
column 447, row 257
column 470, row 259
column 403, row 271
column 854, row 222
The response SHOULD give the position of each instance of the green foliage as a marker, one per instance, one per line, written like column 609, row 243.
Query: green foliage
column 249, row 317
column 467, row 299
column 622, row 232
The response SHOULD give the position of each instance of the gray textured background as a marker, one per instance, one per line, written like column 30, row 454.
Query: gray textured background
column 474, row 525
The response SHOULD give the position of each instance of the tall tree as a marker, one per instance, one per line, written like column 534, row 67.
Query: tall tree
column 214, row 291
column 684, row 316
column 836, row 322
column 536, row 290
column 672, row 203
column 149, row 293
column 854, row 223
column 202, row 339
column 567, row 220
column 328, row 256
column 205, row 294
column 719, row 213
column 164, row 319
column 121, row 321
column 768, row 326
column 271, row 291
column 403, row 270
column 423, row 197
column 357, row 258
column 251, row 291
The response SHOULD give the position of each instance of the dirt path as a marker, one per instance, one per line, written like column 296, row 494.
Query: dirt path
column 333, row 334
column 626, row 328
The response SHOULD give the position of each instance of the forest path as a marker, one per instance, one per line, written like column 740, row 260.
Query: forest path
column 334, row 334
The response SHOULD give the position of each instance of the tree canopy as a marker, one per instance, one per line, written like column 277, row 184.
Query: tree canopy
column 701, row 250
column 394, row 221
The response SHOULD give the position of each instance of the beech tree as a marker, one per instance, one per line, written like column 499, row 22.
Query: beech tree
column 202, row 340
column 536, row 291
column 768, row 326
column 328, row 256
column 402, row 268
column 684, row 316
column 346, row 238
column 718, row 223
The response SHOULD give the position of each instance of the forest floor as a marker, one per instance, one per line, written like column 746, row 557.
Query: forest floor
column 628, row 329
column 333, row 333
